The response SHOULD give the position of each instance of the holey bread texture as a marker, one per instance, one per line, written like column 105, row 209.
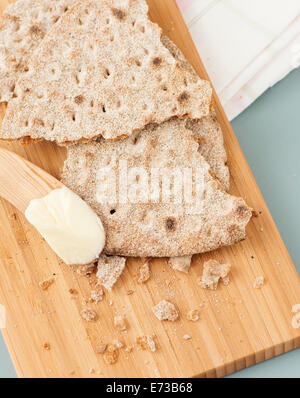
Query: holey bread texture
column 104, row 69
column 142, row 219
column 23, row 26
column 209, row 134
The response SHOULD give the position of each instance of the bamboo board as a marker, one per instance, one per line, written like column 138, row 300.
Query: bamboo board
column 238, row 327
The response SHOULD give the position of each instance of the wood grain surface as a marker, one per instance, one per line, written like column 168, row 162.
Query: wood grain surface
column 238, row 327
column 22, row 181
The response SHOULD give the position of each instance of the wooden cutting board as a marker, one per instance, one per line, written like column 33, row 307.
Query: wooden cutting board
column 238, row 327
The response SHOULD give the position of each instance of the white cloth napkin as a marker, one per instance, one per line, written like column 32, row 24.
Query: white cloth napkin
column 246, row 45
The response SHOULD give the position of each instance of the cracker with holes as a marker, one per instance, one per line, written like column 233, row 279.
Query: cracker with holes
column 208, row 131
column 140, row 189
column 106, row 70
column 23, row 26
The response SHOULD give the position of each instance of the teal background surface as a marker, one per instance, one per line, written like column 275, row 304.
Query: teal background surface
column 269, row 133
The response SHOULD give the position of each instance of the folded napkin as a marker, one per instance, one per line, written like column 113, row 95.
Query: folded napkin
column 246, row 46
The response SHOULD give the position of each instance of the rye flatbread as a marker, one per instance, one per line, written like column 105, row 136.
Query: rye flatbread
column 211, row 135
column 104, row 69
column 211, row 146
column 157, row 219
column 23, row 26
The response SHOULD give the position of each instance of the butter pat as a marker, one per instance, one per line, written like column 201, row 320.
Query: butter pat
column 69, row 226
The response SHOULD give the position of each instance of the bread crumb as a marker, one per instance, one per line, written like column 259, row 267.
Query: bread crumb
column 120, row 323
column 88, row 314
column 111, row 354
column 91, row 371
column 72, row 372
column 181, row 264
column 213, row 271
column 93, row 282
column 73, row 291
column 226, row 281
column 97, row 295
column 46, row 283
column 129, row 292
column 193, row 315
column 186, row 337
column 47, row 346
column 109, row 270
column 86, row 270
column 118, row 343
column 101, row 348
column 165, row 311
column 146, row 343
column 259, row 282
column 144, row 272
column 151, row 343
column 129, row 348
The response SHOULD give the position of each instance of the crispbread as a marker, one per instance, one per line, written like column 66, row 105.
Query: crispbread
column 209, row 129
column 103, row 70
column 155, row 229
column 22, row 27
column 211, row 146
